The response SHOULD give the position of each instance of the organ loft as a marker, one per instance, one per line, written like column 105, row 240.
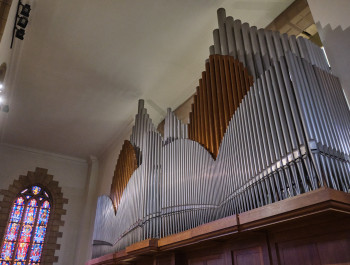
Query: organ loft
column 259, row 175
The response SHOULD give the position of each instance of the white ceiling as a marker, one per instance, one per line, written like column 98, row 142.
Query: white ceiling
column 85, row 63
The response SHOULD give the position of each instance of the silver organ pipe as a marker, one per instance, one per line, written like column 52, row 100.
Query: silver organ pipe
column 269, row 122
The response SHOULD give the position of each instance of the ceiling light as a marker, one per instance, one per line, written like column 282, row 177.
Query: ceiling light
column 25, row 10
column 22, row 22
column 1, row 100
column 20, row 33
column 1, row 86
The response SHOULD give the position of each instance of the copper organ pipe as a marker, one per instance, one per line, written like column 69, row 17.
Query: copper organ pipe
column 223, row 85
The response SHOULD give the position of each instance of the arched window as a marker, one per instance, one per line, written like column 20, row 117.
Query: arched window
column 25, row 233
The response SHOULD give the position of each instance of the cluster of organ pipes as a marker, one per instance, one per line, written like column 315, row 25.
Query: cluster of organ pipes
column 269, row 122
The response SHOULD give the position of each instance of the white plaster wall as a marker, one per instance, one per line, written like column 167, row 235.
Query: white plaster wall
column 71, row 173
column 333, row 24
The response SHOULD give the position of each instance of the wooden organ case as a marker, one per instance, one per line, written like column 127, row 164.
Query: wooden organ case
column 260, row 175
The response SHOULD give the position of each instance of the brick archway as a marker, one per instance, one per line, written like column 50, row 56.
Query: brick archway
column 42, row 178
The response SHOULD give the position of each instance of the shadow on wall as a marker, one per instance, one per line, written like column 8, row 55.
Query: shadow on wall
column 336, row 43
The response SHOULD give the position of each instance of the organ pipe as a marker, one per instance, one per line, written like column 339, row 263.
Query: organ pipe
column 269, row 121
column 223, row 98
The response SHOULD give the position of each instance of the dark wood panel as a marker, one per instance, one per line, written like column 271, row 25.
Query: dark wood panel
column 251, row 256
column 296, row 254
column 334, row 252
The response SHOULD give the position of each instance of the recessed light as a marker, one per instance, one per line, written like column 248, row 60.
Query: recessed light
column 1, row 86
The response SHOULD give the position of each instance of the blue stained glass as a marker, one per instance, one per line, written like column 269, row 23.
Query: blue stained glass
column 43, row 216
column 12, row 231
column 19, row 263
column 36, row 190
column 35, row 254
column 33, row 203
column 39, row 234
column 16, row 213
column 28, row 197
column 5, row 263
column 7, row 250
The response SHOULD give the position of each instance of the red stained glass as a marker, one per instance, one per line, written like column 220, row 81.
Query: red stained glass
column 22, row 251
column 5, row 263
column 7, row 250
column 26, row 233
column 12, row 231
column 35, row 254
column 40, row 234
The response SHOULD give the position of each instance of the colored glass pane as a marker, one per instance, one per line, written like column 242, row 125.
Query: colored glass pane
column 16, row 213
column 4, row 263
column 29, row 217
column 7, row 250
column 24, row 191
column 19, row 263
column 46, row 204
column 28, row 197
column 39, row 234
column 36, row 252
column 26, row 233
column 33, row 203
column 12, row 231
column 46, row 194
column 22, row 251
column 20, row 201
column 36, row 190
column 43, row 216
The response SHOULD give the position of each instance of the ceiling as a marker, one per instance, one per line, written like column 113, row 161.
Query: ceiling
column 84, row 64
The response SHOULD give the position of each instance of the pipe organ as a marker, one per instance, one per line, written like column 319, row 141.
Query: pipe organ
column 269, row 122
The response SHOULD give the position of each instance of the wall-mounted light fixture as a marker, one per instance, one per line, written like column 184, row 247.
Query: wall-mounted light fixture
column 21, row 20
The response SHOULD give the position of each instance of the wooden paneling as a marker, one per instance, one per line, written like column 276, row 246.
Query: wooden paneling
column 312, row 229
column 252, row 256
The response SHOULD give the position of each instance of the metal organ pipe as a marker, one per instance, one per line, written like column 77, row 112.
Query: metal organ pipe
column 269, row 121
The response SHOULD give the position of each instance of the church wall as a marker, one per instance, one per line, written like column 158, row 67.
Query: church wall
column 71, row 174
column 333, row 25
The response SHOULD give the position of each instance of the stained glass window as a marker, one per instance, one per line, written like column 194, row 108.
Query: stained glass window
column 25, row 233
